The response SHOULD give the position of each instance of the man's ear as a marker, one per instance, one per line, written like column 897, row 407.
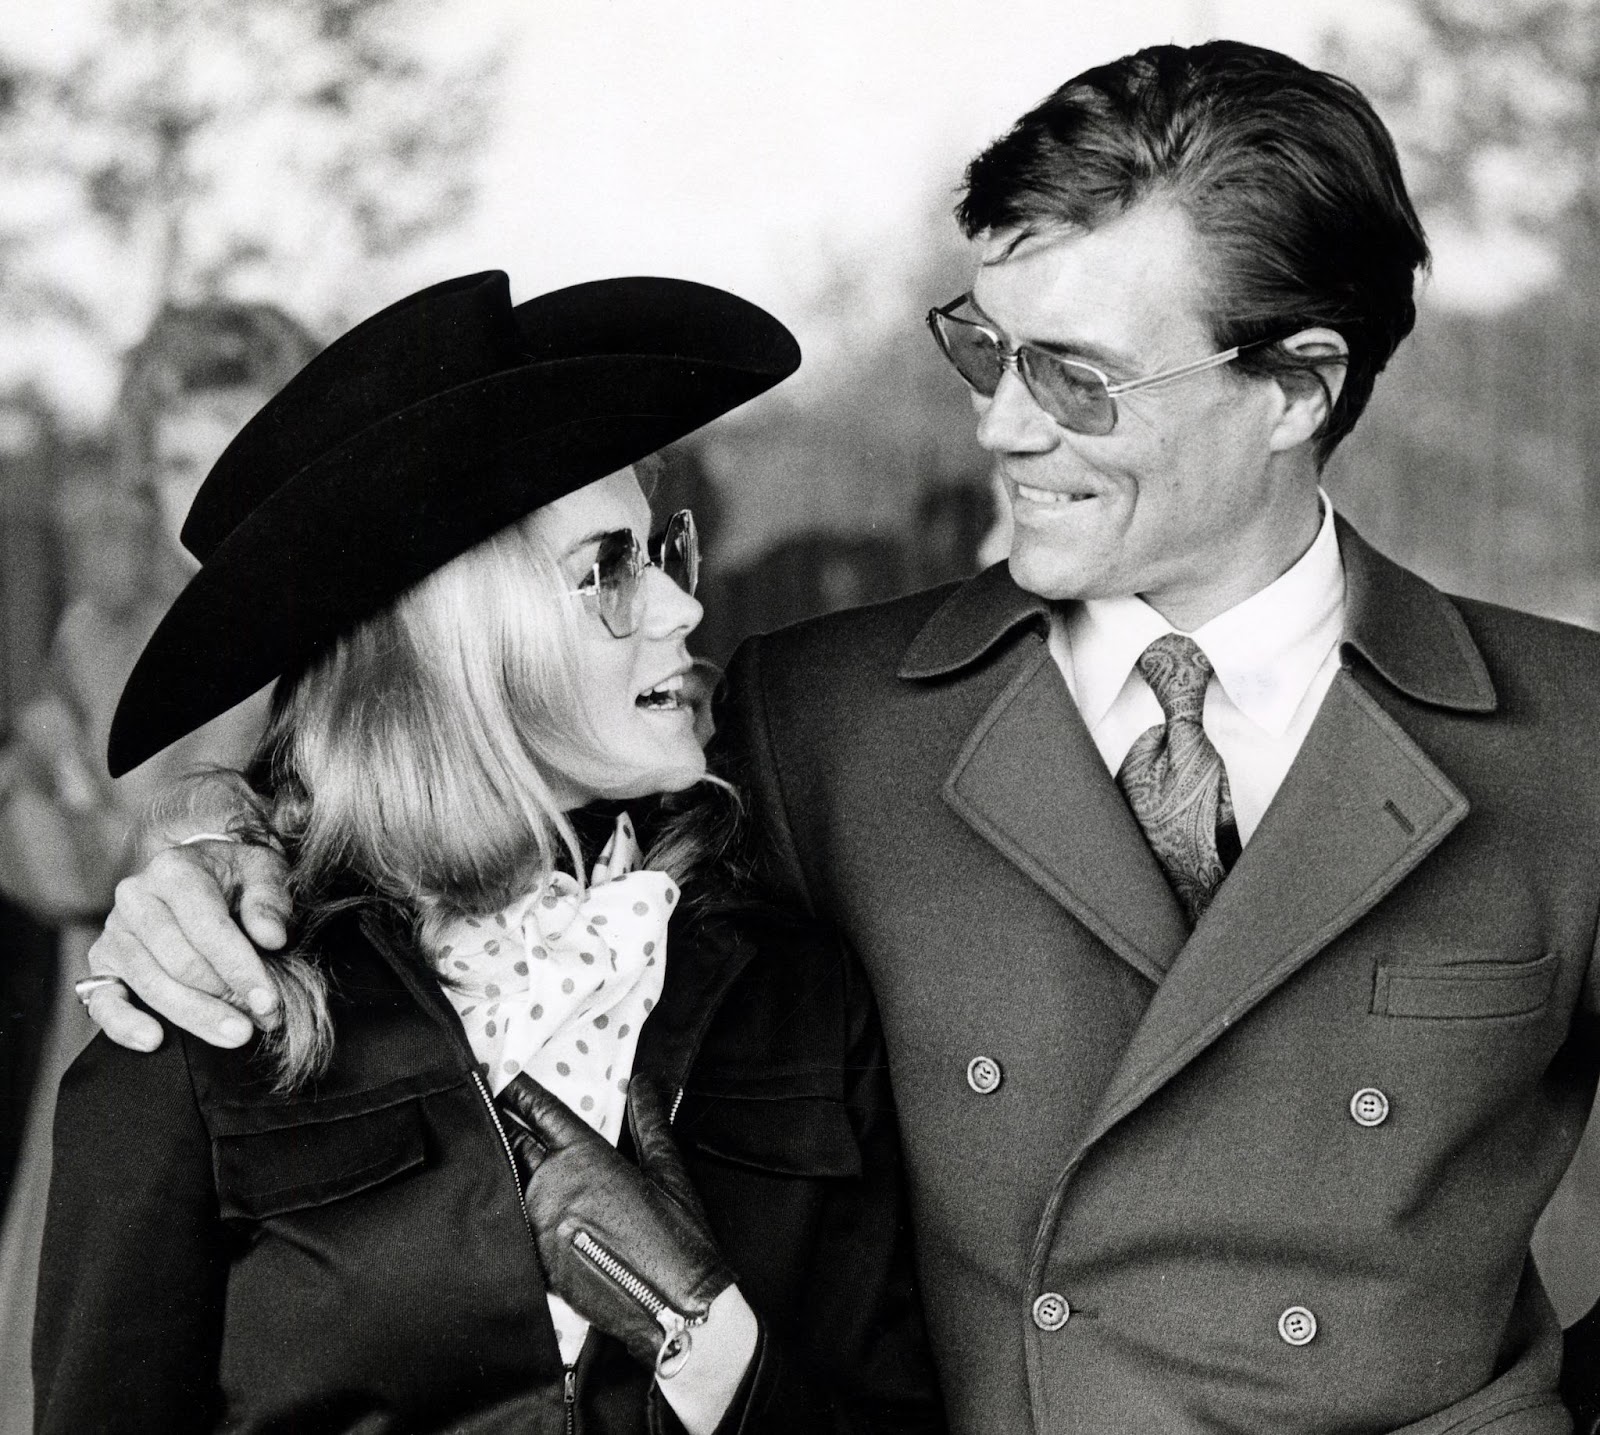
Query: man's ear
column 1310, row 393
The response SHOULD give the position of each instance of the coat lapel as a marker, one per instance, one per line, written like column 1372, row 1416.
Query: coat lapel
column 1362, row 805
column 1030, row 781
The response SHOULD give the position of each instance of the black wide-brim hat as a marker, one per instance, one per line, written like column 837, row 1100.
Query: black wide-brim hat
column 415, row 436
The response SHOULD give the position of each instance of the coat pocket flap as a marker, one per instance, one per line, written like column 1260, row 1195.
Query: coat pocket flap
column 1464, row 990
column 267, row 1173
column 788, row 1136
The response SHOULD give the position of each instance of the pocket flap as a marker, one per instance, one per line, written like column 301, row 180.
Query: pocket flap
column 791, row 1136
column 1464, row 990
column 266, row 1173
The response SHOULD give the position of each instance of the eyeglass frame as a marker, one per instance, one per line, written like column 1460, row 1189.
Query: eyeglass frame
column 1011, row 358
column 651, row 555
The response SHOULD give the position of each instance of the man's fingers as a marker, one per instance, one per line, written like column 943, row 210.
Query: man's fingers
column 117, row 954
column 262, row 892
column 123, row 1022
column 178, row 910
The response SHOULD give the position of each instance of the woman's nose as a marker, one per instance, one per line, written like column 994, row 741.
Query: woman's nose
column 1012, row 421
column 668, row 609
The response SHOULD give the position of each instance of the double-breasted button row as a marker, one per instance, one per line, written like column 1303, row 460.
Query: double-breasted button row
column 1369, row 1107
column 1051, row 1311
column 984, row 1075
column 1297, row 1325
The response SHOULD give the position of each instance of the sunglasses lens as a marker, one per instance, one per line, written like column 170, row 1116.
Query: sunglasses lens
column 1072, row 394
column 678, row 551
column 615, row 590
column 971, row 351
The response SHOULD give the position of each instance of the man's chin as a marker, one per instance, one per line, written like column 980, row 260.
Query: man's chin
column 1049, row 574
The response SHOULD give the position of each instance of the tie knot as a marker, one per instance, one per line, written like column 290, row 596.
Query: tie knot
column 1177, row 672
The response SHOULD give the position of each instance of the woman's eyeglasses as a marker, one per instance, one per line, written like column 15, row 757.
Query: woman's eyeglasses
column 613, row 588
column 1076, row 395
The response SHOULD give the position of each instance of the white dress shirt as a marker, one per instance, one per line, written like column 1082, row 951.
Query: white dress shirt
column 1272, row 656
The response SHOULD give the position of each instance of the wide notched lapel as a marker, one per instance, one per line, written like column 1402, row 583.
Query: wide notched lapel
column 1362, row 805
column 1030, row 781
column 1360, row 808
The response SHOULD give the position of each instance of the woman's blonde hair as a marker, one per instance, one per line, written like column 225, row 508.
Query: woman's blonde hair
column 424, row 753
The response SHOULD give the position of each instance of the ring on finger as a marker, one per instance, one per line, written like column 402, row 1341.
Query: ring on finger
column 90, row 985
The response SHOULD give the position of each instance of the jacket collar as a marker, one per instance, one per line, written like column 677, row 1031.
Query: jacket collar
column 1409, row 632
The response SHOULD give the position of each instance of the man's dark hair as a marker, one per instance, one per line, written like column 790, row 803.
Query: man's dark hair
column 1286, row 173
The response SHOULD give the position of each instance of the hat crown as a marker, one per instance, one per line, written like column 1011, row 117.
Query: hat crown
column 441, row 338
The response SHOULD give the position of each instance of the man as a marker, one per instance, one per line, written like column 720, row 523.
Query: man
column 1229, row 893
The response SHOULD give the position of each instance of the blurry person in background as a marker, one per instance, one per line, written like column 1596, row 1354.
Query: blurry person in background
column 1229, row 892
column 67, row 831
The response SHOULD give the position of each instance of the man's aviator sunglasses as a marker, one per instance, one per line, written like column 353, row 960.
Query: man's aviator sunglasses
column 613, row 589
column 1076, row 395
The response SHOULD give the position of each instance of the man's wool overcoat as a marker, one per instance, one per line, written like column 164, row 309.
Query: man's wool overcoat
column 1275, row 1174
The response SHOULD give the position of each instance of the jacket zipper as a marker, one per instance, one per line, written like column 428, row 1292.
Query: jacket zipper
column 675, row 1348
column 505, row 1145
column 677, row 1101
column 569, row 1374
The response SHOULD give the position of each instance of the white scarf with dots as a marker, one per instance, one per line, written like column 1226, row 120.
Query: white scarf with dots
column 558, row 984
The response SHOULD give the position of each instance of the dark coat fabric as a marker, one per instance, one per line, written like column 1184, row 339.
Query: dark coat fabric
column 356, row 1258
column 1164, row 1139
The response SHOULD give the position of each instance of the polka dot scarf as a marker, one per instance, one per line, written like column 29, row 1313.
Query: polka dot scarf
column 558, row 985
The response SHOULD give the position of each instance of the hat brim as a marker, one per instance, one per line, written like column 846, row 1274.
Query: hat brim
column 363, row 523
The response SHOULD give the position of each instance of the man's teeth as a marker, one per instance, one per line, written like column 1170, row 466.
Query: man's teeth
column 664, row 695
column 1031, row 494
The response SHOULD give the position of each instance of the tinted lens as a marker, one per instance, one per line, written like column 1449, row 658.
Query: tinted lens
column 614, row 589
column 677, row 551
column 972, row 351
column 1074, row 395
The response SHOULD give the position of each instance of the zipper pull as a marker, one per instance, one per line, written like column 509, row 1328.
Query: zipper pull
column 569, row 1386
column 675, row 1348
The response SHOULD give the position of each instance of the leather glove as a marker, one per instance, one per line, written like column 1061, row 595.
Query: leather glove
column 626, row 1246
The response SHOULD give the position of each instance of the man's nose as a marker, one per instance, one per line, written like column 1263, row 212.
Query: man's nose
column 1012, row 421
column 669, row 610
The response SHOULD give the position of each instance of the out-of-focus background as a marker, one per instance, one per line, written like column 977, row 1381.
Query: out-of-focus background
column 194, row 192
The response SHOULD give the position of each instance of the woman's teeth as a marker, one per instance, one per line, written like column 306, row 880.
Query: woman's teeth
column 664, row 695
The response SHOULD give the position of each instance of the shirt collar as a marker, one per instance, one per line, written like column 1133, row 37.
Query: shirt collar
column 1265, row 651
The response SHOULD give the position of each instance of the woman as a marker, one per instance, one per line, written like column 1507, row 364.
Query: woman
column 434, row 536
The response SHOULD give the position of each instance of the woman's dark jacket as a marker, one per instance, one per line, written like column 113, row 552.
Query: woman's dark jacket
column 355, row 1257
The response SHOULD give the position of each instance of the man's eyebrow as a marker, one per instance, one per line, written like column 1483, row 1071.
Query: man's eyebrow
column 1072, row 348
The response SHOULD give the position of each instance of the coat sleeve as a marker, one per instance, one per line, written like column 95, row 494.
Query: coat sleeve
column 127, row 1331
column 742, row 751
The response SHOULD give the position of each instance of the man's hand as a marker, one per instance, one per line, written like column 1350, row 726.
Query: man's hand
column 173, row 938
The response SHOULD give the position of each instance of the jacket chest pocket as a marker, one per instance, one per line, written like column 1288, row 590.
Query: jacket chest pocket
column 260, row 1174
column 1456, row 991
column 783, row 1135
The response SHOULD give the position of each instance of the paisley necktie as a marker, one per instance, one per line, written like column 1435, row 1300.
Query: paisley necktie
column 1174, row 779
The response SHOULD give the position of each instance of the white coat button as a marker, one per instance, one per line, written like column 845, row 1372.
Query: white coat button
column 1297, row 1325
column 1369, row 1107
column 1051, row 1311
column 984, row 1075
